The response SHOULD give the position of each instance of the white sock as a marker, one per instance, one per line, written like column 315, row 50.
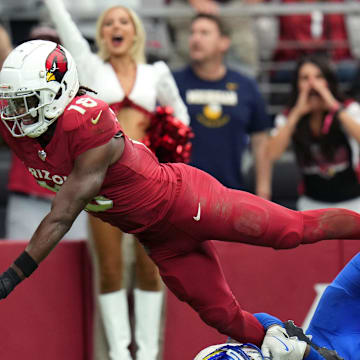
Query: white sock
column 115, row 316
column 148, row 310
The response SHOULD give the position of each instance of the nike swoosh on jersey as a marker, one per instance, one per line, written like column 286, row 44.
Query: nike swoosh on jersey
column 96, row 120
column 197, row 217
column 286, row 348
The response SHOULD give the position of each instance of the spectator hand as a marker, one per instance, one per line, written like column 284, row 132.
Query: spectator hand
column 8, row 280
column 302, row 106
column 278, row 345
column 323, row 90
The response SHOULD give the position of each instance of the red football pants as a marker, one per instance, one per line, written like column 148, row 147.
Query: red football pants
column 206, row 210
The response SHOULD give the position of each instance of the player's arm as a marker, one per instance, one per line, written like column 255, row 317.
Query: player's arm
column 81, row 186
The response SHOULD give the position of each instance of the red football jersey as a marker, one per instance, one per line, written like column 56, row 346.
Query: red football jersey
column 137, row 191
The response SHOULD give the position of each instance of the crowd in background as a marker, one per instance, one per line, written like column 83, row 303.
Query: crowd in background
column 223, row 67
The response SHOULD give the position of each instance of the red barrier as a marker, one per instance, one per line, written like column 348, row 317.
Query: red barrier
column 49, row 315
column 263, row 280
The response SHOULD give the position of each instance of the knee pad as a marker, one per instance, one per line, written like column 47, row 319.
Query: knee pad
column 285, row 230
column 250, row 220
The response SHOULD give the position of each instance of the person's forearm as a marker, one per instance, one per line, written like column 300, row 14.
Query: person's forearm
column 263, row 168
column 69, row 33
column 349, row 124
column 5, row 45
column 279, row 142
column 67, row 205
column 47, row 235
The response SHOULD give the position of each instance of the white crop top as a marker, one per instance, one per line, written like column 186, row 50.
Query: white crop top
column 154, row 84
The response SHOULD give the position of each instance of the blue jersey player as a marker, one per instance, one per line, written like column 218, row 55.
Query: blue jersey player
column 335, row 325
column 336, row 322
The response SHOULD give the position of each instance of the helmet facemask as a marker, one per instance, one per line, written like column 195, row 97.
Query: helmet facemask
column 23, row 113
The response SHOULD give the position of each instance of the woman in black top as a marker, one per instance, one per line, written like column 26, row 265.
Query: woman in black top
column 324, row 129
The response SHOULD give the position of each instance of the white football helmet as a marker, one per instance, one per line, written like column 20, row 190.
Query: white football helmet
column 230, row 351
column 37, row 81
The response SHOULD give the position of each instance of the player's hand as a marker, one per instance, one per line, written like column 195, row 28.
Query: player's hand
column 277, row 345
column 8, row 280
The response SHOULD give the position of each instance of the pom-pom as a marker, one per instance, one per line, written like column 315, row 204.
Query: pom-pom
column 168, row 137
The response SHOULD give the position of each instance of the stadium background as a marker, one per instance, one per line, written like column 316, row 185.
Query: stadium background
column 51, row 315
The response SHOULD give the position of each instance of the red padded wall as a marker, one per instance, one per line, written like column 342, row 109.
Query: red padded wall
column 49, row 315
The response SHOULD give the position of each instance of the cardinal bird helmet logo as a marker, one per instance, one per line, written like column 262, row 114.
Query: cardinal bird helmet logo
column 56, row 65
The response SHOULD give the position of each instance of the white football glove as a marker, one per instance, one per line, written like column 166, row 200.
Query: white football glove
column 277, row 345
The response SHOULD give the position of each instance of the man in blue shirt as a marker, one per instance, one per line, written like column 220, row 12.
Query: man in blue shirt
column 225, row 107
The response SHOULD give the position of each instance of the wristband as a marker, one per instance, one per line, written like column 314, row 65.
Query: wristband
column 26, row 264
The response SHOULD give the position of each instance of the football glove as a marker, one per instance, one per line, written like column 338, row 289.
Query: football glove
column 277, row 345
column 8, row 280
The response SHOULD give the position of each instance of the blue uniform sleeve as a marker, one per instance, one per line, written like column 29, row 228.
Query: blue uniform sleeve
column 349, row 277
column 267, row 320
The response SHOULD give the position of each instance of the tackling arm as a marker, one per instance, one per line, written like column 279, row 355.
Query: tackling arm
column 81, row 186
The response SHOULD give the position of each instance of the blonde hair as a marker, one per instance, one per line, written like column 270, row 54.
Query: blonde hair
column 137, row 50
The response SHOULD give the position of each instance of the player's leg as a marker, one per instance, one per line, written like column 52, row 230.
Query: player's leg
column 148, row 298
column 107, row 241
column 147, row 273
column 212, row 211
column 265, row 223
column 197, row 279
column 113, row 298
